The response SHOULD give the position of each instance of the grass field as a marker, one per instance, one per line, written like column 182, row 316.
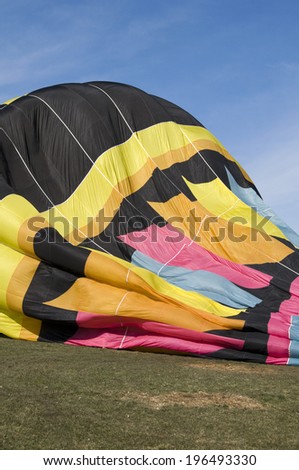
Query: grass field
column 64, row 397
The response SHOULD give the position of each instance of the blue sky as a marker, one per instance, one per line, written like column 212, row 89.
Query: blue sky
column 234, row 64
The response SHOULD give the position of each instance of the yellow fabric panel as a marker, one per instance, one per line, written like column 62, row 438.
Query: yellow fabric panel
column 11, row 323
column 28, row 231
column 187, row 298
column 133, row 305
column 244, row 251
column 20, row 282
column 192, row 134
column 11, row 100
column 12, row 260
column 90, row 296
column 30, row 328
column 14, row 210
column 219, row 200
column 106, row 269
column 112, row 167
column 113, row 172
column 121, row 273
column 184, row 153
column 104, row 216
column 15, row 277
column 119, row 173
column 177, row 155
column 126, row 187
column 170, row 136
column 130, row 185
column 18, row 326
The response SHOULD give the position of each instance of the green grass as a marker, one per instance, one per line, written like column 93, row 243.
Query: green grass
column 64, row 397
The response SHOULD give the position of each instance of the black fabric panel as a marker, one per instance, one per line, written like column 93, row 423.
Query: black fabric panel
column 235, row 355
column 51, row 247
column 48, row 284
column 134, row 220
column 135, row 212
column 282, row 276
column 57, row 151
column 25, row 159
column 271, row 296
column 56, row 332
column 275, row 294
column 5, row 189
column 177, row 113
column 286, row 243
column 107, row 243
column 51, row 139
column 4, row 171
column 151, row 109
column 96, row 124
column 257, row 318
column 237, row 174
column 161, row 187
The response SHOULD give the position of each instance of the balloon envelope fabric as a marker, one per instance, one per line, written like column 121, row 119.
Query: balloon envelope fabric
column 124, row 223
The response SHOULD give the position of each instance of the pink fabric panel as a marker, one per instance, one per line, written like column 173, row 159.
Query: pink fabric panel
column 291, row 305
column 294, row 289
column 93, row 321
column 156, row 243
column 278, row 361
column 278, row 342
column 132, row 337
column 279, row 325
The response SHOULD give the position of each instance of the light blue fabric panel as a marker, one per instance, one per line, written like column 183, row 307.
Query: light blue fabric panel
column 251, row 198
column 294, row 344
column 293, row 361
column 294, row 330
column 208, row 284
column 294, row 351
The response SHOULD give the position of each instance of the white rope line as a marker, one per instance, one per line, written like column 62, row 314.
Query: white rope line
column 44, row 193
column 148, row 155
column 89, row 157
column 134, row 134
column 276, row 261
column 237, row 199
column 112, row 100
column 104, row 176
column 127, row 276
column 64, row 124
column 25, row 164
column 201, row 156
column 198, row 231
column 205, row 217
column 121, row 301
column 124, row 337
column 193, row 239
column 213, row 171
column 174, row 256
column 289, row 335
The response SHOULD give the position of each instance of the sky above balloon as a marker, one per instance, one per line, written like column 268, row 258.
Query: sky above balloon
column 233, row 64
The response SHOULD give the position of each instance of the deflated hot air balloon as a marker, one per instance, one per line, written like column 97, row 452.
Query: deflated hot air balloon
column 124, row 223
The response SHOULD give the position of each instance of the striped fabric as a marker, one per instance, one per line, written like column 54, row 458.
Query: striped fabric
column 124, row 223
